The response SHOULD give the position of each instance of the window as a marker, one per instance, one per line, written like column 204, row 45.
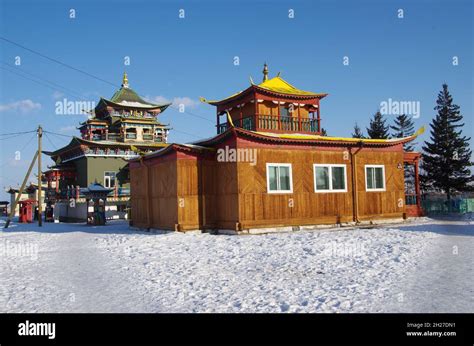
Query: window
column 330, row 178
column 279, row 179
column 374, row 178
column 131, row 133
column 109, row 179
column 247, row 123
column 284, row 112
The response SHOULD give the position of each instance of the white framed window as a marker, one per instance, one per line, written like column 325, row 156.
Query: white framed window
column 330, row 178
column 109, row 179
column 279, row 178
column 374, row 178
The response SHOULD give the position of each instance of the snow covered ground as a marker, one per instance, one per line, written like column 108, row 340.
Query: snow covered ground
column 423, row 266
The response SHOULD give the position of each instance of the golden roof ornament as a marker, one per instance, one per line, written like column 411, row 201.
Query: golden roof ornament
column 265, row 72
column 125, row 80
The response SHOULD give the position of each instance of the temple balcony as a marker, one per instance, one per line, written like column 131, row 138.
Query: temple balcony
column 131, row 134
column 99, row 137
column 274, row 123
column 114, row 137
column 125, row 114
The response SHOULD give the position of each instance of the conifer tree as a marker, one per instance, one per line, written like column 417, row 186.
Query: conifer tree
column 377, row 128
column 403, row 127
column 446, row 156
column 357, row 132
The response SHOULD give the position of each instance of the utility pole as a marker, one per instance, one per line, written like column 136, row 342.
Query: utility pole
column 40, row 136
column 20, row 191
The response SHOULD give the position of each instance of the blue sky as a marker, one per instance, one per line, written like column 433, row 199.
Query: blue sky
column 405, row 59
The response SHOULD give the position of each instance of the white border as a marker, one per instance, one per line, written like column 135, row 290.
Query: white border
column 291, row 177
column 383, row 174
column 329, row 165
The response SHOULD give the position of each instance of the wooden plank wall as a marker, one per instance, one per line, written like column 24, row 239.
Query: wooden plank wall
column 261, row 209
column 138, row 198
column 384, row 204
column 189, row 212
column 270, row 108
column 220, row 194
column 163, row 183
column 206, row 194
column 153, row 195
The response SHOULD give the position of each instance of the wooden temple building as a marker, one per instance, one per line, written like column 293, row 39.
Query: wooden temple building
column 269, row 166
column 119, row 129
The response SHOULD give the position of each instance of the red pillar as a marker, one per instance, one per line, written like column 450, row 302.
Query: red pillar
column 417, row 187
column 318, row 119
column 279, row 116
column 256, row 125
column 241, row 116
column 299, row 118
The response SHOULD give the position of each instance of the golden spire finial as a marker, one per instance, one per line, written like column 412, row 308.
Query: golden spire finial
column 125, row 80
column 265, row 72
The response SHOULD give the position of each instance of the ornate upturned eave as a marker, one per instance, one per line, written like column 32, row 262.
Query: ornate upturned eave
column 127, row 98
column 307, row 139
column 79, row 143
column 275, row 86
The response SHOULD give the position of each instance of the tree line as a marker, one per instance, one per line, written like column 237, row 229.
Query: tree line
column 446, row 156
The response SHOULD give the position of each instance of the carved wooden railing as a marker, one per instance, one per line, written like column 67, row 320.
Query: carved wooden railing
column 273, row 123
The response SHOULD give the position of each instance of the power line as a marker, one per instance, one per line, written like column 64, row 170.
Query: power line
column 3, row 139
column 193, row 114
column 69, row 136
column 185, row 133
column 31, row 79
column 75, row 94
column 57, row 134
column 65, row 89
column 77, row 70
column 29, row 141
column 56, row 61
column 16, row 133
column 83, row 72
column 47, row 137
column 23, row 148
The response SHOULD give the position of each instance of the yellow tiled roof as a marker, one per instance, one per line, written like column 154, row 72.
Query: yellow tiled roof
column 344, row 139
column 277, row 85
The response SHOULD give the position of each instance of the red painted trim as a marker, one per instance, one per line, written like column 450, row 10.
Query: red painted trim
column 250, row 143
column 256, row 92
column 269, row 95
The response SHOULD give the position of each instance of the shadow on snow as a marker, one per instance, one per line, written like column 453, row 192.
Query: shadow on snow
column 447, row 229
column 111, row 227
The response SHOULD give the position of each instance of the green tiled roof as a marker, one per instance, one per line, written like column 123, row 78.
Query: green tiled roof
column 127, row 94
column 129, row 98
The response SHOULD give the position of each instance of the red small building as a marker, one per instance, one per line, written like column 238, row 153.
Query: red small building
column 26, row 210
